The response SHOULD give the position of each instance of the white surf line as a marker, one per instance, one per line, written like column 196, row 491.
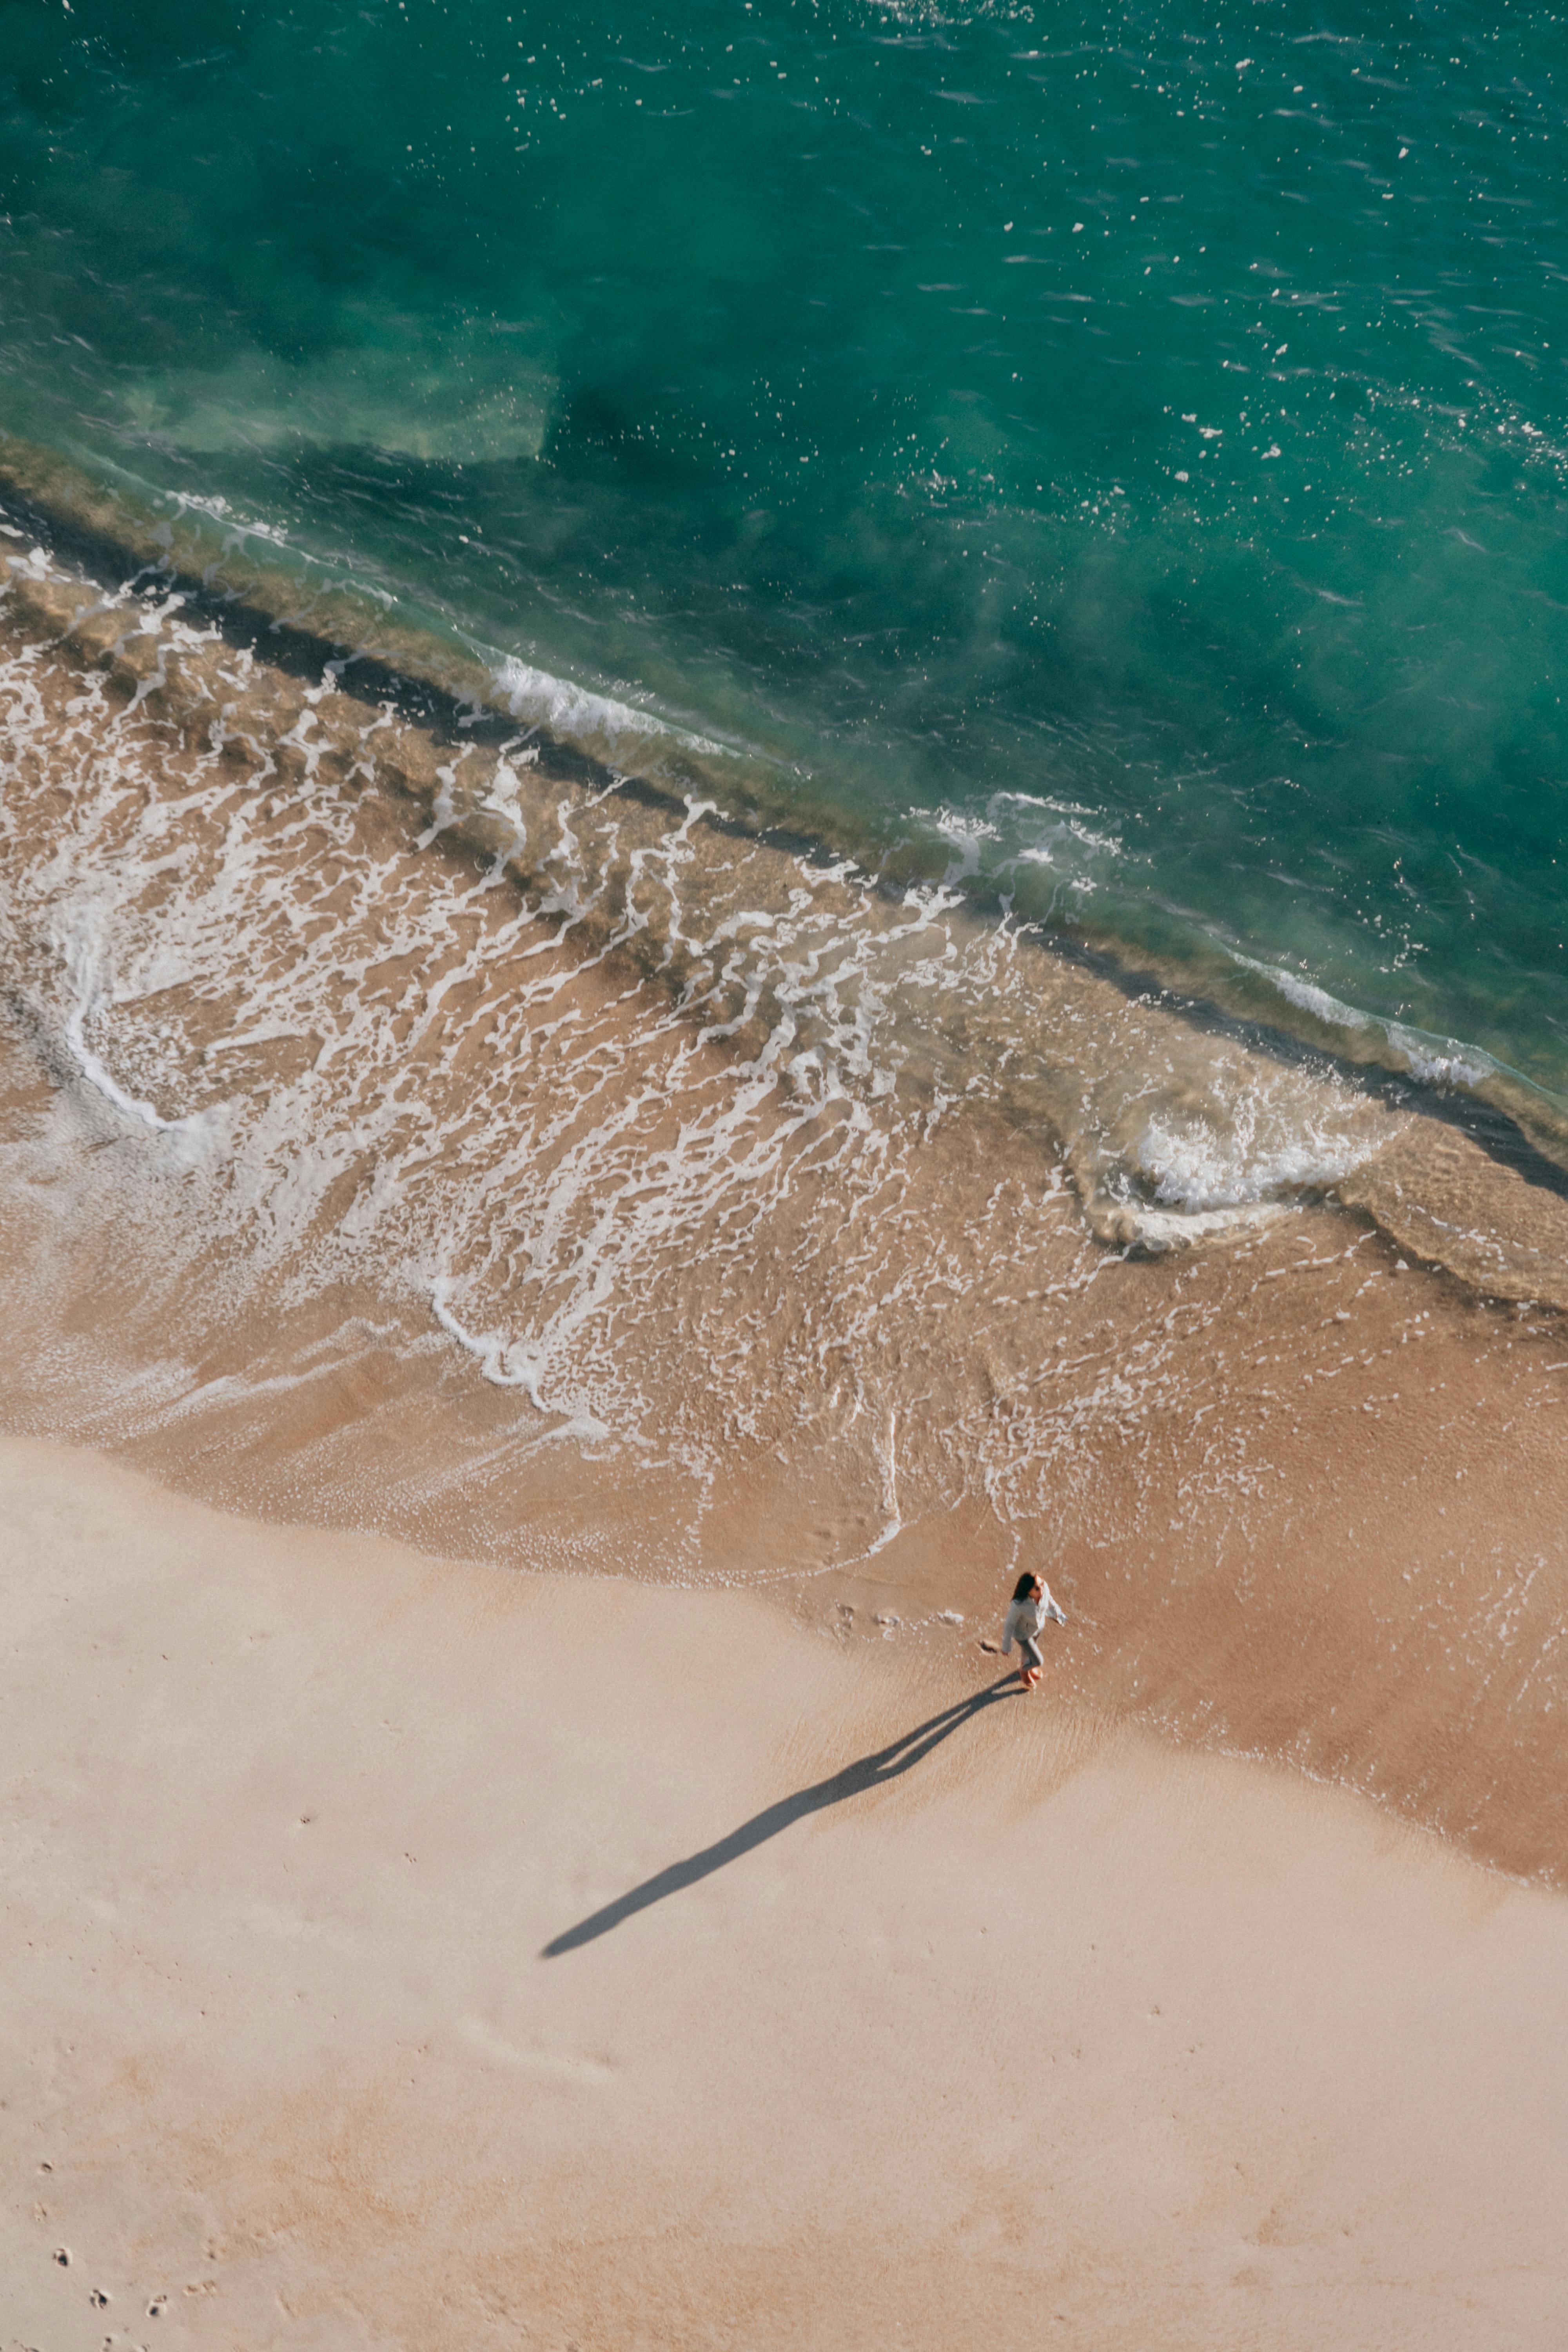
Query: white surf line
column 194, row 1124
column 1432, row 1059
column 540, row 699
column 494, row 1357
column 1162, row 1228
column 893, row 1525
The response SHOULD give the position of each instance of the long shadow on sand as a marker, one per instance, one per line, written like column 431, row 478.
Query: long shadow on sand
column 909, row 1749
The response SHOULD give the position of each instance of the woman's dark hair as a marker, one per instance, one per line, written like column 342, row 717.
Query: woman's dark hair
column 1026, row 1586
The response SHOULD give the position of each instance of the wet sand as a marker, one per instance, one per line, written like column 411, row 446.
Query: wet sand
column 881, row 2008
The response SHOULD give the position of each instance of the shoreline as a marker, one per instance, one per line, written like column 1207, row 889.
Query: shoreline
column 1054, row 2029
column 345, row 1182
column 1505, row 1138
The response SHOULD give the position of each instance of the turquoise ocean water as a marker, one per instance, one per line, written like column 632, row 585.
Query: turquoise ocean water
column 1129, row 449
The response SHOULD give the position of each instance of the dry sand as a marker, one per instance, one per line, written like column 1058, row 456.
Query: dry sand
column 1058, row 2035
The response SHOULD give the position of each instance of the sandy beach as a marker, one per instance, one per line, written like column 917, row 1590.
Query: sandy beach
column 782, row 825
column 542, row 1329
column 405, row 1953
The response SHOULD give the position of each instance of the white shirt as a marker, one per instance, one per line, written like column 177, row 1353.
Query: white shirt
column 1026, row 1618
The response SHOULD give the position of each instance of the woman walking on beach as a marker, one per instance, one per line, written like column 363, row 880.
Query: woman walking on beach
column 1032, row 1604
